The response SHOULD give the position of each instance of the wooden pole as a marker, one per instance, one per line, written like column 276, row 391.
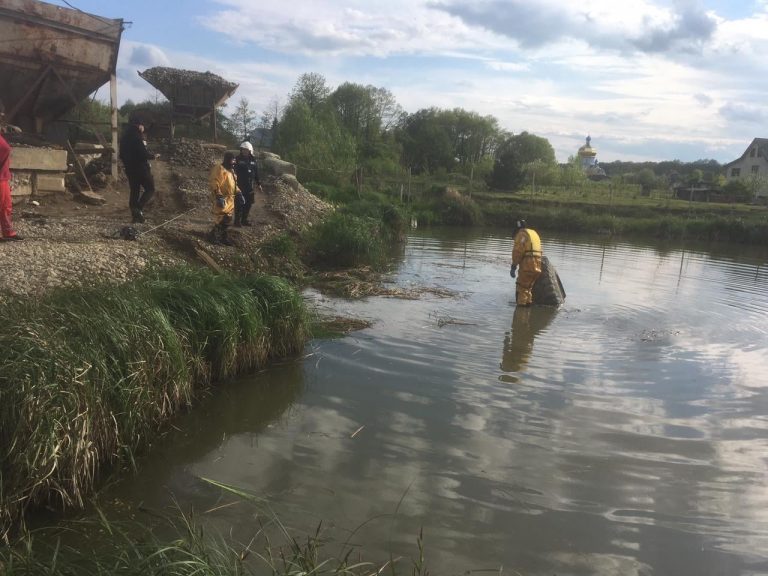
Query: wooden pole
column 113, row 122
column 79, row 165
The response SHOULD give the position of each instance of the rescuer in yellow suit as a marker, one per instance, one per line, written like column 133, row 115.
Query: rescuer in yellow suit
column 526, row 253
column 223, row 186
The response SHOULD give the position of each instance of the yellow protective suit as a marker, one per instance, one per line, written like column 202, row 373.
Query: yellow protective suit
column 526, row 255
column 221, row 182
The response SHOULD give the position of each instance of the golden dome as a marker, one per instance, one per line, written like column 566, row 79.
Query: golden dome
column 587, row 150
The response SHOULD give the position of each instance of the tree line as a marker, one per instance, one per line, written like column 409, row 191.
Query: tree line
column 333, row 133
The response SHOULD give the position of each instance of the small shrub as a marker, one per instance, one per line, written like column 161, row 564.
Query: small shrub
column 345, row 240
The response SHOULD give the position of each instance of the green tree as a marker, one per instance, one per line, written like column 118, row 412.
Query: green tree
column 647, row 181
column 427, row 141
column 311, row 89
column 435, row 139
column 89, row 118
column 514, row 154
column 243, row 120
column 365, row 112
column 316, row 142
column 738, row 190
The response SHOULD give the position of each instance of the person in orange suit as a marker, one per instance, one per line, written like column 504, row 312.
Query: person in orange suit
column 222, row 183
column 526, row 254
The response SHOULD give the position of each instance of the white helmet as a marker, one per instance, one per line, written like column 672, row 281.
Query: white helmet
column 248, row 146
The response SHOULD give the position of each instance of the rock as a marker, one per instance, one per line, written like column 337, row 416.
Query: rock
column 275, row 166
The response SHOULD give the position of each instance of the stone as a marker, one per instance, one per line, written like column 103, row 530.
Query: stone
column 47, row 159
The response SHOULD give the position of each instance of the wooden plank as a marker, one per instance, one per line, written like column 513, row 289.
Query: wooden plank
column 205, row 257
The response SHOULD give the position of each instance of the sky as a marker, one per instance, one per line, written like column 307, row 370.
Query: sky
column 646, row 79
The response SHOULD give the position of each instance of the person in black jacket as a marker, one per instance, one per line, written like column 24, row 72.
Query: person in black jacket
column 136, row 156
column 247, row 179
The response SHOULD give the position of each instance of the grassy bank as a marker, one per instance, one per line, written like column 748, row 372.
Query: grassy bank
column 182, row 546
column 673, row 221
column 594, row 207
column 88, row 375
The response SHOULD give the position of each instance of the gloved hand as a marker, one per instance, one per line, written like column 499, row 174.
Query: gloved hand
column 512, row 270
column 240, row 199
column 220, row 201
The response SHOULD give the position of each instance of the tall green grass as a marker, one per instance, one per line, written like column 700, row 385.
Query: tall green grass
column 187, row 548
column 88, row 375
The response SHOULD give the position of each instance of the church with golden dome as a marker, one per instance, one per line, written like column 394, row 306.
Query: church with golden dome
column 588, row 161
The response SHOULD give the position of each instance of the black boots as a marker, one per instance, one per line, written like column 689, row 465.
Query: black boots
column 219, row 235
column 241, row 215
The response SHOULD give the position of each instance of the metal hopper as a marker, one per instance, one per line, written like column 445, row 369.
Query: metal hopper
column 193, row 95
column 51, row 58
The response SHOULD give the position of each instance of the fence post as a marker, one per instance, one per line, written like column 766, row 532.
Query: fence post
column 409, row 185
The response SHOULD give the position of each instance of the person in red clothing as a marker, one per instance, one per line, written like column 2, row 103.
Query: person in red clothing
column 6, row 206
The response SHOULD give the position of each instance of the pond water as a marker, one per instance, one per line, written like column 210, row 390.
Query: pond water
column 625, row 433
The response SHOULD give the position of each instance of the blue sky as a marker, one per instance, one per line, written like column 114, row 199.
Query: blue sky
column 647, row 79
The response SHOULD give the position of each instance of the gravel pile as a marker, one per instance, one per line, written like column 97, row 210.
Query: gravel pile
column 187, row 152
column 289, row 200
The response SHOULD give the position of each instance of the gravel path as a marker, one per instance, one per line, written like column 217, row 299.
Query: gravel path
column 80, row 244
column 73, row 252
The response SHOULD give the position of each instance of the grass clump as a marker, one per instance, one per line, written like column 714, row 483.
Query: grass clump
column 88, row 375
column 187, row 548
column 344, row 240
column 448, row 206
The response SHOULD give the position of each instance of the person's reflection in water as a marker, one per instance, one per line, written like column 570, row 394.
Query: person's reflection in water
column 527, row 322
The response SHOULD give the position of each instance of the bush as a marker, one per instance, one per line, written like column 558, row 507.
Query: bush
column 345, row 240
column 448, row 206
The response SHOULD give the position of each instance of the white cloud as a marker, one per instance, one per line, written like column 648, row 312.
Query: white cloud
column 636, row 71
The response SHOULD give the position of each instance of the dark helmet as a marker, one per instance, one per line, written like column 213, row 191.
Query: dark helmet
column 519, row 225
column 229, row 159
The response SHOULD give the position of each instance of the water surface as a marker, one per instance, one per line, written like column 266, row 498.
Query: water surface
column 625, row 433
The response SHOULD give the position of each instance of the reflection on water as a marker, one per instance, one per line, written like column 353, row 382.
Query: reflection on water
column 527, row 322
column 625, row 433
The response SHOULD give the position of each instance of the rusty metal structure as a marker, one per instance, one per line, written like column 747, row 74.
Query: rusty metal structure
column 193, row 95
column 51, row 58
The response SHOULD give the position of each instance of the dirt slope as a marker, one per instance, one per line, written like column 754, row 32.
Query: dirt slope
column 69, row 242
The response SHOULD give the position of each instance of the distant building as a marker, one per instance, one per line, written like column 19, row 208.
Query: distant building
column 752, row 168
column 588, row 161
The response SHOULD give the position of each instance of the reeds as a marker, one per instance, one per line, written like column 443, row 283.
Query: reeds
column 88, row 375
column 187, row 548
